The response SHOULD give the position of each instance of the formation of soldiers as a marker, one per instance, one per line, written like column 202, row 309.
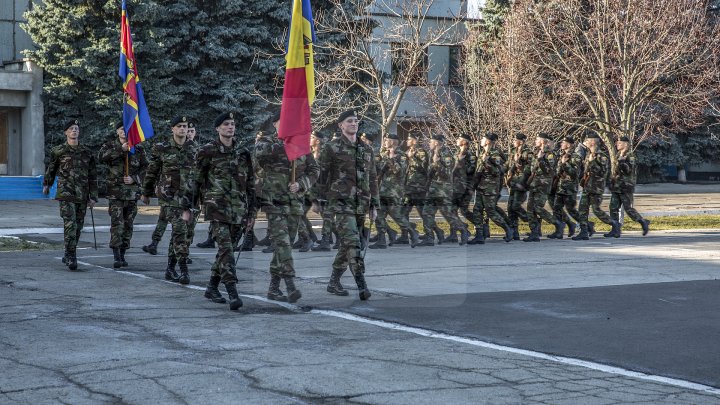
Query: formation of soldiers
column 345, row 180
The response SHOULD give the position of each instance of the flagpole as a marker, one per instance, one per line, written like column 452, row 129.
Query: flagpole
column 127, row 171
column 292, row 178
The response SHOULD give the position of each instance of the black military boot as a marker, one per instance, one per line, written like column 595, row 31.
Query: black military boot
column 380, row 243
column 151, row 248
column 392, row 235
column 307, row 246
column 274, row 293
column 617, row 229
column 414, row 237
column 403, row 239
column 590, row 229
column 374, row 238
column 293, row 293
column 534, row 236
column 116, row 255
column 248, row 242
column 72, row 260
column 209, row 243
column 334, row 286
column 559, row 229
column 235, row 301
column 170, row 273
column 516, row 232
column 440, row 234
column 66, row 255
column 464, row 236
column 313, row 237
column 479, row 238
column 571, row 229
column 323, row 246
column 363, row 291
column 184, row 274
column 188, row 260
column 299, row 243
column 212, row 293
column 508, row 233
column 583, row 235
column 452, row 236
column 122, row 256
column 486, row 230
column 264, row 242
column 645, row 226
column 427, row 240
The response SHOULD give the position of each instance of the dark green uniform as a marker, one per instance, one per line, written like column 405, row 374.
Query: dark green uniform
column 542, row 172
column 490, row 174
column 391, row 176
column 463, row 185
column 439, row 194
column 567, row 179
column 622, row 187
column 593, row 183
column 519, row 167
column 417, row 180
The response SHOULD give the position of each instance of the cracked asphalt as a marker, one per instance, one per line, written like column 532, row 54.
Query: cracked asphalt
column 646, row 305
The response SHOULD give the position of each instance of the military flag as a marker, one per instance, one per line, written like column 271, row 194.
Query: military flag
column 299, row 91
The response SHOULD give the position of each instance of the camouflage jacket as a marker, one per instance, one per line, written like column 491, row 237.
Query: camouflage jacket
column 625, row 174
column 568, row 174
column 441, row 175
column 113, row 156
column 226, row 181
column 542, row 172
column 595, row 172
column 171, row 172
column 490, row 172
column 518, row 168
column 75, row 169
column 274, row 195
column 391, row 174
column 464, row 173
column 416, row 182
column 348, row 177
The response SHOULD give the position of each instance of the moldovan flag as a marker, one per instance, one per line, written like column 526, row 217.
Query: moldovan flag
column 136, row 119
column 299, row 90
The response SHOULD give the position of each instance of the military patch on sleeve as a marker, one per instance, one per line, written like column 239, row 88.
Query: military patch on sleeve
column 632, row 159
column 603, row 159
column 550, row 156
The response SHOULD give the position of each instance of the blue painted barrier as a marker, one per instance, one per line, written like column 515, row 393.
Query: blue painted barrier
column 24, row 188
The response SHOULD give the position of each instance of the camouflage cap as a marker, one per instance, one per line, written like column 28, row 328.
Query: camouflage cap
column 178, row 119
column 222, row 118
column 71, row 123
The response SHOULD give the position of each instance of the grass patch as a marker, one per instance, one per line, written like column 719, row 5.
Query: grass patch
column 13, row 244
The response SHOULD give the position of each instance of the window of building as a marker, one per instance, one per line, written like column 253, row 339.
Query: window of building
column 454, row 65
column 401, row 62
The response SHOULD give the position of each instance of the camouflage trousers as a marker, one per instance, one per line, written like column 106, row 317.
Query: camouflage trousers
column 462, row 204
column 73, row 215
column 591, row 200
column 227, row 236
column 349, row 255
column 536, row 209
column 624, row 199
column 393, row 207
column 178, row 247
column 160, row 227
column 487, row 204
column 413, row 201
column 515, row 210
column 328, row 224
column 281, row 229
column 305, row 226
column 191, row 226
column 122, row 215
column 431, row 207
column 564, row 208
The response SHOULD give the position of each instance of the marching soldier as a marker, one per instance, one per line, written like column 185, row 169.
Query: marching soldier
column 282, row 201
column 350, row 187
column 622, row 187
column 463, row 177
column 123, row 190
column 306, row 235
column 328, row 217
column 416, row 183
column 391, row 176
column 519, row 163
column 542, row 172
column 226, row 182
column 566, row 181
column 490, row 174
column 191, row 133
column 439, row 195
column 170, row 170
column 593, row 184
column 74, row 166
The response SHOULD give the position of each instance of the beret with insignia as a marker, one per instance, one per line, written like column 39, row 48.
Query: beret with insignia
column 438, row 138
column 276, row 116
column 592, row 135
column 178, row 119
column 520, row 136
column 191, row 124
column 119, row 124
column 345, row 115
column 392, row 136
column 569, row 139
column 318, row 135
column 222, row 118
column 369, row 137
column 71, row 123
column 624, row 139
column 491, row 136
column 551, row 155
column 543, row 135
column 465, row 137
column 414, row 135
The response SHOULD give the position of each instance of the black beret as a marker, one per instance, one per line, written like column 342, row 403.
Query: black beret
column 370, row 137
column 222, row 118
column 345, row 115
column 592, row 135
column 119, row 124
column 178, row 120
column 491, row 136
column 569, row 139
column 191, row 124
column 520, row 136
column 275, row 117
column 71, row 123
column 413, row 135
column 465, row 137
column 624, row 139
column 318, row 135
column 392, row 136
column 543, row 135
column 438, row 138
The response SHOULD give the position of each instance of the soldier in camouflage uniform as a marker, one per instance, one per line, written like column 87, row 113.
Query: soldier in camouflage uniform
column 417, row 181
column 328, row 217
column 593, row 184
column 566, row 181
column 542, row 173
column 208, row 243
column 391, row 172
column 191, row 133
column 439, row 195
column 282, row 201
column 463, row 187
column 157, row 234
column 349, row 184
column 622, row 187
column 306, row 235
column 123, row 190
column 170, row 170
column 519, row 164
column 74, row 166
column 489, row 177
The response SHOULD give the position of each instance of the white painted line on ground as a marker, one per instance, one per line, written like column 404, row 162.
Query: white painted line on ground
column 458, row 339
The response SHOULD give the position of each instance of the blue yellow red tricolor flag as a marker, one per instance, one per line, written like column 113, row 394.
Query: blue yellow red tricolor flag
column 136, row 119
column 299, row 90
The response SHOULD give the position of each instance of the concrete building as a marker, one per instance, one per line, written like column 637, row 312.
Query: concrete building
column 22, row 138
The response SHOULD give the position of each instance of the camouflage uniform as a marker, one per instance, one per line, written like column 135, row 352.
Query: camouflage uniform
column 226, row 181
column 568, row 178
column 170, row 169
column 417, row 181
column 195, row 214
column 75, row 169
column 391, row 176
column 490, row 174
column 439, row 194
column 283, row 208
column 519, row 166
column 122, row 198
column 596, row 169
column 463, row 187
column 542, row 172
column 622, row 187
column 160, row 226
